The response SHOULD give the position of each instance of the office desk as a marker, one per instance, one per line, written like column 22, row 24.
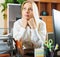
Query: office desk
column 39, row 52
column 28, row 52
column 4, row 55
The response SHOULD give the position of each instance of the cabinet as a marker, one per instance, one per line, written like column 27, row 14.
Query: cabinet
column 45, row 11
column 49, row 23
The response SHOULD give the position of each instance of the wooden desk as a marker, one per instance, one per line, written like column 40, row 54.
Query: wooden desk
column 4, row 55
column 29, row 53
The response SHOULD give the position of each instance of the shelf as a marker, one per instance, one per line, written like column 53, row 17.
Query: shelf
column 47, row 6
column 55, row 1
column 49, row 23
column 42, row 0
column 49, row 1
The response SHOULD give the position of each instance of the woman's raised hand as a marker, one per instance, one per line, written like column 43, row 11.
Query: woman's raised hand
column 32, row 23
column 24, row 23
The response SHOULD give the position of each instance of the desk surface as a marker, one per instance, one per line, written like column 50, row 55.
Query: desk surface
column 4, row 55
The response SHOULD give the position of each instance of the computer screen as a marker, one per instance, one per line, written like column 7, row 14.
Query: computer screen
column 56, row 26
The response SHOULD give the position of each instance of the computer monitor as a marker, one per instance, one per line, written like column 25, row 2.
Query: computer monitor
column 56, row 26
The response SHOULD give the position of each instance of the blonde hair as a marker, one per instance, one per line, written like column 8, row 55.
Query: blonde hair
column 25, row 3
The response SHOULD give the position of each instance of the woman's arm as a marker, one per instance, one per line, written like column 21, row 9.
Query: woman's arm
column 38, row 35
column 18, row 31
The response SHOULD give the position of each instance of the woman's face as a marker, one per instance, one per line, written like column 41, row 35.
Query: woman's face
column 27, row 11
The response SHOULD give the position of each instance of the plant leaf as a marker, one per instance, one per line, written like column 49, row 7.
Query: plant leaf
column 20, row 1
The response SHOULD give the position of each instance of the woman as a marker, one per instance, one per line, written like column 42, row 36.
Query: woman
column 30, row 29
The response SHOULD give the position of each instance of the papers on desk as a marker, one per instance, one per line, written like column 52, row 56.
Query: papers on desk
column 4, row 45
column 39, row 52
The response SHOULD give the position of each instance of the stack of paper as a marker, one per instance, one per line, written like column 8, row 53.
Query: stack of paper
column 39, row 52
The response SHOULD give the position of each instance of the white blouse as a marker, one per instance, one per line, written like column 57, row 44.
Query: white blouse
column 36, row 36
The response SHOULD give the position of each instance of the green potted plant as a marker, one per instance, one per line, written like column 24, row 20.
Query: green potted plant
column 20, row 1
column 4, row 10
column 10, row 1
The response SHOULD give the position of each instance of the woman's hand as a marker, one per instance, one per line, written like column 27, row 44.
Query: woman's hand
column 24, row 23
column 32, row 23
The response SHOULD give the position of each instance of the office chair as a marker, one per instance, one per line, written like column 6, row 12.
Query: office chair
column 56, row 26
column 6, row 47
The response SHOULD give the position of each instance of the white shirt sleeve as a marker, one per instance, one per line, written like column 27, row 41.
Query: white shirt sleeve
column 18, row 31
column 38, row 35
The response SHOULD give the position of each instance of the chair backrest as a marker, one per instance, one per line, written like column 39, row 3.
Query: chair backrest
column 14, row 13
column 56, row 25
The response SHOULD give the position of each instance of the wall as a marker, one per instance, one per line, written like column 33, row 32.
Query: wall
column 1, row 17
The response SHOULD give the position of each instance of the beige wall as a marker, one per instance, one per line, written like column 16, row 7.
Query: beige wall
column 1, row 15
